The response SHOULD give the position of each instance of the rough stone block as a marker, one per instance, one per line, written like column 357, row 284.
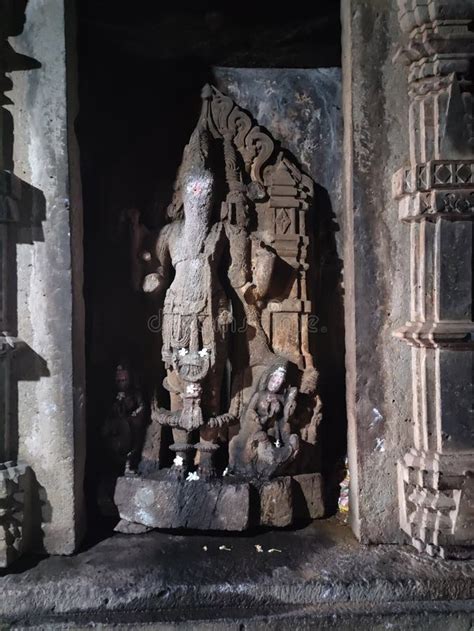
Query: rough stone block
column 276, row 503
column 309, row 488
column 174, row 504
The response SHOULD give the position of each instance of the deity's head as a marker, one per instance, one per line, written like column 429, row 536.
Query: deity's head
column 276, row 378
column 195, row 181
column 122, row 378
column 197, row 188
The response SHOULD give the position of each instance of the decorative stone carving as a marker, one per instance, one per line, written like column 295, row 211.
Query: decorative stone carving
column 265, row 444
column 435, row 196
column 230, row 273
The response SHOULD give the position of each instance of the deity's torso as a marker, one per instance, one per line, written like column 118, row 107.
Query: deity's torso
column 195, row 285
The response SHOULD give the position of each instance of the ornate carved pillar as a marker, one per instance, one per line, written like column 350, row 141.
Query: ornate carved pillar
column 436, row 202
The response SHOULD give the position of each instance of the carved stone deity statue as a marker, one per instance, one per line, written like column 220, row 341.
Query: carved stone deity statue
column 266, row 443
column 196, row 308
column 124, row 427
column 230, row 278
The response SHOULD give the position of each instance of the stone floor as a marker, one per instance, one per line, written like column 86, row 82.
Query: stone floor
column 318, row 577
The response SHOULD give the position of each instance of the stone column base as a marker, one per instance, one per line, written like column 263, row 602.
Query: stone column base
column 15, row 496
column 437, row 501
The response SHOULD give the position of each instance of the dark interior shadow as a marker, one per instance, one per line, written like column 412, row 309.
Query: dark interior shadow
column 328, row 343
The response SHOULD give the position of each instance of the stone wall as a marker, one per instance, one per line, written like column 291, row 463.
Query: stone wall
column 49, row 270
column 376, row 266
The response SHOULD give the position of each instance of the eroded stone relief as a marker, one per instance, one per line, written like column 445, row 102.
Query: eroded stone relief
column 230, row 275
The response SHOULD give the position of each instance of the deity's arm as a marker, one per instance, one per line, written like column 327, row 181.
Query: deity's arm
column 252, row 263
column 252, row 405
column 158, row 280
column 290, row 403
column 239, row 255
column 263, row 266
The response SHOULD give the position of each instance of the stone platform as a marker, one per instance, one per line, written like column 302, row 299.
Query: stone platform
column 315, row 578
column 223, row 504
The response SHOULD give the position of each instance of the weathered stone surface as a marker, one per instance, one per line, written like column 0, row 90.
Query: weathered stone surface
column 301, row 109
column 310, row 488
column 49, row 260
column 168, row 503
column 320, row 579
column 276, row 502
column 376, row 265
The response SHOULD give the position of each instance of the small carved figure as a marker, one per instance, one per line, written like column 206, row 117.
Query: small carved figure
column 124, row 428
column 265, row 444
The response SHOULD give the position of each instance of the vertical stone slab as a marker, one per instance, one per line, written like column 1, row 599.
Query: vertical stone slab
column 50, row 309
column 376, row 266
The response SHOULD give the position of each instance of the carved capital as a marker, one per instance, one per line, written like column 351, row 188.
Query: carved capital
column 440, row 40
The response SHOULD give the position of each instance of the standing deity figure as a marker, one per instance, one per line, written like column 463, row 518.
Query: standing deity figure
column 196, row 309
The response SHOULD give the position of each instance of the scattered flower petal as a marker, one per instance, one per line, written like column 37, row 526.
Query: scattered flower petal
column 192, row 476
column 204, row 548
column 274, row 550
column 258, row 548
column 225, row 548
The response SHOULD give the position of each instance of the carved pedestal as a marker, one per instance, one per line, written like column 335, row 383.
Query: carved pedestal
column 436, row 201
column 225, row 504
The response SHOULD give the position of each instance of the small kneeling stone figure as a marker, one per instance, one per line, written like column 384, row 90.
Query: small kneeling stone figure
column 265, row 445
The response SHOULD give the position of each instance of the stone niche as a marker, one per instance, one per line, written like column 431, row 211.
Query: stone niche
column 194, row 419
column 227, row 437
